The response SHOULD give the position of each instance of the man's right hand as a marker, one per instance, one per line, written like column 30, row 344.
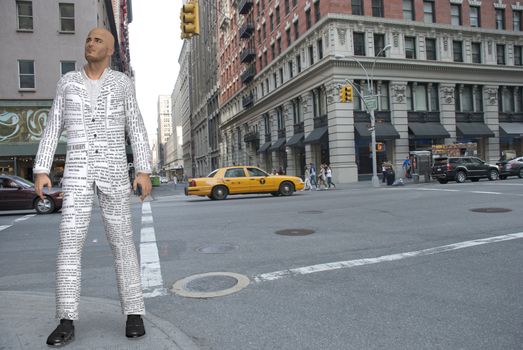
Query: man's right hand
column 42, row 180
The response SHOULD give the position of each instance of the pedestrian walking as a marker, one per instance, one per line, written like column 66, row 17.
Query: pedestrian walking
column 314, row 181
column 322, row 178
column 97, row 108
column 328, row 173
column 407, row 167
column 307, row 178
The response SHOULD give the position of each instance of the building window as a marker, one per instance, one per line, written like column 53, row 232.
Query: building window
column 291, row 73
column 475, row 19
column 275, row 80
column 476, row 52
column 267, row 124
column 259, row 36
column 298, row 63
column 422, row 97
column 66, row 17
column 25, row 15
column 287, row 7
column 457, row 51
column 294, row 3
column 281, row 75
column 408, row 10
column 296, row 30
column 288, row 34
column 281, row 118
column 455, row 14
column 278, row 45
column 517, row 55
column 317, row 14
column 430, row 49
column 516, row 20
column 320, row 48
column 379, row 45
column 296, row 111
column 428, row 11
column 357, row 7
column 311, row 55
column 410, row 47
column 264, row 30
column 26, row 74
column 277, row 14
column 271, row 22
column 500, row 50
column 273, row 52
column 67, row 66
column 308, row 19
column 500, row 19
column 267, row 84
column 359, row 43
column 377, row 8
column 265, row 58
column 468, row 98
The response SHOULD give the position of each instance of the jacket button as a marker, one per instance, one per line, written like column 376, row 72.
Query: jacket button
column 94, row 135
column 96, row 151
column 92, row 120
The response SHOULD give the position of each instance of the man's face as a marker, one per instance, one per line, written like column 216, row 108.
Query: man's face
column 98, row 45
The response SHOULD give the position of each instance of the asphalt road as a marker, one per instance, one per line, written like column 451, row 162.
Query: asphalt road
column 459, row 286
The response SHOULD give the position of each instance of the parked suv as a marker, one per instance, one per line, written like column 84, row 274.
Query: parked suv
column 461, row 168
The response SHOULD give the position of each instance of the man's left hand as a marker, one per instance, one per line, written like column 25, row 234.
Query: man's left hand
column 145, row 183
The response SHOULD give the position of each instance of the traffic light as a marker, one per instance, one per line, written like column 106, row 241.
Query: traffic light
column 346, row 93
column 349, row 92
column 189, row 21
column 380, row 147
column 343, row 93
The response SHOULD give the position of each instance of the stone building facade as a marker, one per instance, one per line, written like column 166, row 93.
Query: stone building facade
column 442, row 72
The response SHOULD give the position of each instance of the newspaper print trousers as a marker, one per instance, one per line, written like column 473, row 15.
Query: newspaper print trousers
column 76, row 215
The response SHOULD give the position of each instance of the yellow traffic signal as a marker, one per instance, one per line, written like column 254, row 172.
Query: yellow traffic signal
column 380, row 147
column 349, row 92
column 189, row 20
column 343, row 93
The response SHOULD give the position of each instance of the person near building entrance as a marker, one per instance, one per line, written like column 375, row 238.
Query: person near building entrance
column 307, row 178
column 328, row 174
column 97, row 107
column 314, row 182
column 407, row 168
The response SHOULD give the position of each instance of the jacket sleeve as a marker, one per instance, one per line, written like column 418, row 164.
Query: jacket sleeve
column 53, row 130
column 137, row 132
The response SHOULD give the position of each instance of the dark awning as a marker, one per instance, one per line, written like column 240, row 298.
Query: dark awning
column 512, row 129
column 316, row 135
column 278, row 144
column 428, row 130
column 383, row 130
column 474, row 129
column 264, row 147
column 296, row 140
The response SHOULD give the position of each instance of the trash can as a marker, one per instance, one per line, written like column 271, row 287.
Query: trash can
column 390, row 177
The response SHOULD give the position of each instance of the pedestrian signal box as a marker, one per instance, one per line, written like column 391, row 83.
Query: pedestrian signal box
column 380, row 147
column 189, row 20
column 346, row 93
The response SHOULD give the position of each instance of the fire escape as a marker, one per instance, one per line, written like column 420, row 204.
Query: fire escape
column 248, row 51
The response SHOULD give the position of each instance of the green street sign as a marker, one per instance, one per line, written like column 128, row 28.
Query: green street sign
column 371, row 102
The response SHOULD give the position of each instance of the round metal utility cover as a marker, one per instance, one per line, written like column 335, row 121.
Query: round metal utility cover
column 311, row 212
column 295, row 232
column 219, row 248
column 210, row 285
column 491, row 210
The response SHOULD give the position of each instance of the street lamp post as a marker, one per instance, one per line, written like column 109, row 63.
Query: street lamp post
column 370, row 92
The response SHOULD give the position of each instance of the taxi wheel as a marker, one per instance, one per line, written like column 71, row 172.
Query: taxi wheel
column 286, row 188
column 220, row 192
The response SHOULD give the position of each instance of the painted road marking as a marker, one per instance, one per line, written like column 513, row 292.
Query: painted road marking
column 271, row 276
column 23, row 218
column 436, row 189
column 485, row 192
column 152, row 282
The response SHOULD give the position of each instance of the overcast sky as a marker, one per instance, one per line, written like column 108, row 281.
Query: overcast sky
column 155, row 45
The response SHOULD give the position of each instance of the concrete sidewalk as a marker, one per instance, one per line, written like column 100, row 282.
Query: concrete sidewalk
column 27, row 319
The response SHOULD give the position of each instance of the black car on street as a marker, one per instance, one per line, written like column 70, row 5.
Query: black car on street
column 460, row 169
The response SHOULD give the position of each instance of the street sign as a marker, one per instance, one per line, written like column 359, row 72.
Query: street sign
column 371, row 102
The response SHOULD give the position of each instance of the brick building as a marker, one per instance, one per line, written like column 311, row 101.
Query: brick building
column 444, row 71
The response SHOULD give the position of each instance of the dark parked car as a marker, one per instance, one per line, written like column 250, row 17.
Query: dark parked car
column 17, row 193
column 460, row 169
column 513, row 167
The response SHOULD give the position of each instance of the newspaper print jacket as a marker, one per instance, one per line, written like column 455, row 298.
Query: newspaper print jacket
column 96, row 145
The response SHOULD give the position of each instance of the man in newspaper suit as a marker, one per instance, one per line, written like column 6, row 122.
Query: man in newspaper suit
column 97, row 107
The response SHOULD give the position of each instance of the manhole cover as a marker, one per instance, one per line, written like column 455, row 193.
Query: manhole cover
column 210, row 285
column 491, row 210
column 311, row 212
column 295, row 232
column 219, row 248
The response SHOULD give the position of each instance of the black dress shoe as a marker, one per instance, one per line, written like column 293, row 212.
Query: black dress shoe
column 62, row 335
column 134, row 327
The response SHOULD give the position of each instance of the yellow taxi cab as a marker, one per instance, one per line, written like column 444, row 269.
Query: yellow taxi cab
column 242, row 180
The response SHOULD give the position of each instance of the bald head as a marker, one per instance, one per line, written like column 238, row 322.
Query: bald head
column 99, row 45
